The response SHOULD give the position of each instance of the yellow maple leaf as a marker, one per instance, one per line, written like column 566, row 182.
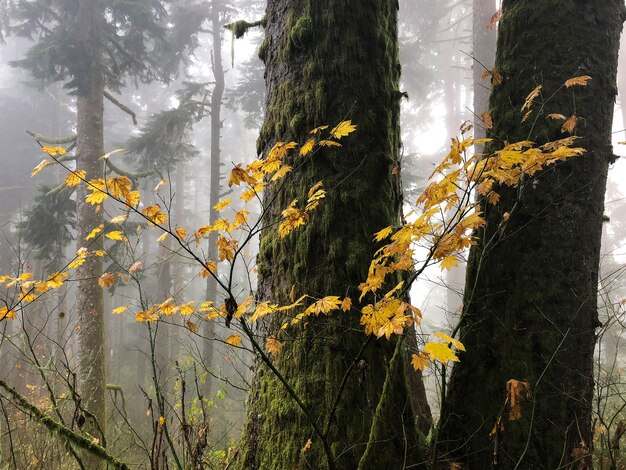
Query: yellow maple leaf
column 133, row 198
column 187, row 309
column 382, row 234
column 181, row 232
column 233, row 340
column 116, row 235
column 106, row 280
column 155, row 215
column 273, row 345
column 343, row 129
column 161, row 421
column 162, row 237
column 7, row 314
column 120, row 309
column 281, row 173
column 440, row 352
column 222, row 204
column 94, row 232
column 324, row 305
column 449, row 262
column 74, row 178
column 119, row 219
column 56, row 280
column 226, row 248
column 346, row 304
column 96, row 196
column 318, row 129
column 329, row 143
column 419, row 362
column 307, row 147
column 118, row 187
column 41, row 166
column 54, row 151
column 448, row 339
column 160, row 184
column 582, row 81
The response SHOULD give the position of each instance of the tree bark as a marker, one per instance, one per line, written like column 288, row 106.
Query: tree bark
column 89, row 148
column 326, row 62
column 530, row 302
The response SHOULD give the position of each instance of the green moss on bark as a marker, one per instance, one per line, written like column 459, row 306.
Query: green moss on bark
column 329, row 61
column 531, row 292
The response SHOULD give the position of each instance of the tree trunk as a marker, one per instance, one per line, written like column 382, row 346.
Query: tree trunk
column 329, row 61
column 89, row 148
column 484, row 51
column 530, row 302
column 214, row 195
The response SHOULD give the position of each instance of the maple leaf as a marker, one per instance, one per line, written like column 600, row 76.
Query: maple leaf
column 222, row 204
column 324, row 305
column 346, row 304
column 343, row 129
column 329, row 143
column 449, row 262
column 239, row 175
column 226, row 248
column 440, row 352
column 382, row 234
column 281, row 173
column 106, row 280
column 494, row 19
column 318, row 129
column 419, row 362
column 187, row 309
column 116, row 235
column 307, row 147
column 557, row 116
column 161, row 421
column 41, row 166
column 119, row 219
column 160, row 184
column 54, row 151
column 448, row 339
column 517, row 393
column 531, row 97
column 7, row 314
column 496, row 78
column 120, row 309
column 133, row 198
column 191, row 326
column 233, row 340
column 155, row 215
column 273, row 345
column 74, row 178
column 181, row 232
column 94, row 232
column 487, row 120
column 307, row 446
column 118, row 187
column 581, row 81
column 56, row 280
column 570, row 124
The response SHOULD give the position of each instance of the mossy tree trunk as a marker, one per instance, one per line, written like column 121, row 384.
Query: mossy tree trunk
column 89, row 148
column 326, row 62
column 530, row 302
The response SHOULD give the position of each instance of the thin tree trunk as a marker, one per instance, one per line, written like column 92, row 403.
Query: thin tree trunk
column 89, row 148
column 530, row 302
column 216, row 129
column 329, row 61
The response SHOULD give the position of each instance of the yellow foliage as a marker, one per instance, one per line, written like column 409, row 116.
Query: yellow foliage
column 233, row 340
column 75, row 177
